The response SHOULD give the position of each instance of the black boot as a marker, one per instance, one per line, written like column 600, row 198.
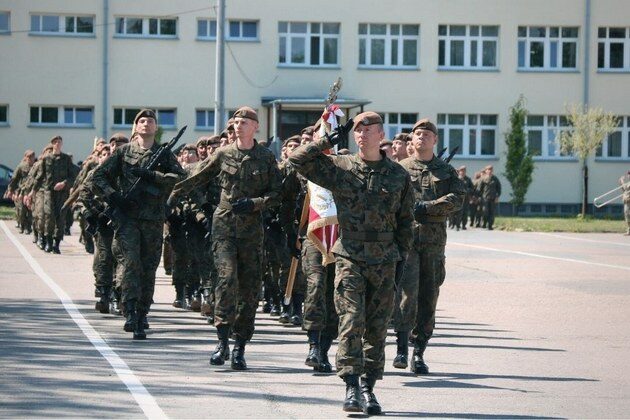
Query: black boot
column 313, row 358
column 138, row 331
column 114, row 303
column 418, row 366
column 102, row 305
column 195, row 302
column 89, row 244
column 42, row 242
column 222, row 351
column 238, row 355
column 142, row 319
column 35, row 237
column 55, row 248
column 353, row 401
column 296, row 319
column 402, row 351
column 179, row 296
column 285, row 315
column 206, row 305
column 49, row 244
column 187, row 298
column 266, row 308
column 325, row 341
column 371, row 407
column 275, row 310
column 131, row 316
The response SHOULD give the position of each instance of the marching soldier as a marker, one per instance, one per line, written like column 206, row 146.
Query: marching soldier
column 137, row 240
column 490, row 190
column 438, row 192
column 624, row 181
column 250, row 183
column 374, row 207
column 34, row 198
column 461, row 216
column 15, row 191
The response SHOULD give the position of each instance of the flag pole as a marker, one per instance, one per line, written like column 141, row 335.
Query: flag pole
column 294, row 261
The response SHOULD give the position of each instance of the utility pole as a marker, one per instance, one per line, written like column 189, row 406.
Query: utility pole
column 219, row 86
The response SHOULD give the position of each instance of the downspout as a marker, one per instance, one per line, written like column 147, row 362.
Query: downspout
column 587, row 51
column 105, row 86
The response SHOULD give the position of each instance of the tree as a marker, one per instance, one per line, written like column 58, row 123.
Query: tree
column 519, row 165
column 158, row 134
column 588, row 128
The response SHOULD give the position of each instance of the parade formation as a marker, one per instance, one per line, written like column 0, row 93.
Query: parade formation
column 344, row 245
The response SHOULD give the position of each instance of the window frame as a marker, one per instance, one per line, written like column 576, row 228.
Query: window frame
column 389, row 39
column 398, row 126
column 209, row 22
column 134, row 110
column 61, row 116
column 545, row 140
column 5, row 123
column 6, row 31
column 624, row 128
column 468, row 39
column 444, row 126
column 606, row 42
column 547, row 41
column 242, row 38
column 206, row 112
column 146, row 27
column 307, row 36
column 61, row 22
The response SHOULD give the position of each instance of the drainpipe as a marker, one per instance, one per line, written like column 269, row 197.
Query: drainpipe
column 587, row 51
column 105, row 86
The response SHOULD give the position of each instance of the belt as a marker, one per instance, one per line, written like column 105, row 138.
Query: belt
column 368, row 236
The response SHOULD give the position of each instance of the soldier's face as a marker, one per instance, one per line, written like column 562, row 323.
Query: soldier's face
column 191, row 157
column 202, row 151
column 57, row 145
column 224, row 142
column 306, row 138
column 489, row 171
column 231, row 136
column 102, row 157
column 388, row 150
column 423, row 140
column 368, row 136
column 146, row 126
column 399, row 149
column 245, row 128
column 211, row 148
column 291, row 147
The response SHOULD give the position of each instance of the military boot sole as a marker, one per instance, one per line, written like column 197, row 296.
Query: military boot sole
column 323, row 368
column 140, row 335
column 312, row 362
column 352, row 407
column 240, row 365
column 400, row 362
column 420, row 369
column 128, row 327
column 372, row 410
column 102, row 307
column 283, row 319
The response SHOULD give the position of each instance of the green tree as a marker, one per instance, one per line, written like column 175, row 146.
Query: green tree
column 158, row 134
column 588, row 128
column 519, row 165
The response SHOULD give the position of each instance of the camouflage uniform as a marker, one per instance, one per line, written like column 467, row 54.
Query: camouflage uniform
column 79, row 182
column 137, row 243
column 38, row 200
column 16, row 186
column 237, row 238
column 461, row 216
column 437, row 184
column 625, row 182
column 374, row 209
column 490, row 190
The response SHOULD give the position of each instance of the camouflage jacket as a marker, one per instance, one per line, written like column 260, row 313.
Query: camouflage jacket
column 85, row 170
column 29, row 183
column 490, row 188
column 470, row 188
column 20, row 175
column 90, row 203
column 115, row 175
column 374, row 202
column 293, row 193
column 250, row 174
column 624, row 181
column 437, row 185
column 54, row 169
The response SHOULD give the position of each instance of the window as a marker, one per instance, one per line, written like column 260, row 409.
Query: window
column 245, row 30
column 543, row 132
column 382, row 45
column 4, row 114
column 204, row 119
column 547, row 48
column 5, row 27
column 613, row 49
column 146, row 27
column 617, row 145
column 67, row 116
column 309, row 44
column 473, row 134
column 123, row 117
column 468, row 47
column 62, row 25
column 395, row 123
column 207, row 29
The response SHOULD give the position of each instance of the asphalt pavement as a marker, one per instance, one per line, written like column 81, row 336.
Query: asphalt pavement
column 530, row 325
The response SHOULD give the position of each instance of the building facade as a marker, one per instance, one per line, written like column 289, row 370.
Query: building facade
column 82, row 68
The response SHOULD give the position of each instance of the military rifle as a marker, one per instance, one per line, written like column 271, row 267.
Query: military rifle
column 439, row 156
column 114, row 213
column 450, row 155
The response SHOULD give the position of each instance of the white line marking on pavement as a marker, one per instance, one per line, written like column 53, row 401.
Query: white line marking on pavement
column 145, row 400
column 581, row 239
column 529, row 254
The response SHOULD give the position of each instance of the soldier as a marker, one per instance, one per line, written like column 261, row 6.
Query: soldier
column 15, row 191
column 55, row 178
column 374, row 207
column 624, row 181
column 306, row 135
column 460, row 218
column 137, row 240
column 202, row 147
column 34, row 198
column 438, row 192
column 476, row 202
column 250, row 183
column 386, row 146
column 490, row 190
column 88, row 166
column 399, row 147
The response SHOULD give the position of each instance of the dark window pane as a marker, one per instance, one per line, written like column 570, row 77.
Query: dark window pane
column 569, row 54
column 490, row 30
column 410, row 52
column 472, row 142
column 202, row 28
column 408, row 118
column 153, row 26
column 34, row 114
column 535, row 120
column 522, row 31
column 474, row 30
column 392, row 118
column 457, row 53
column 458, row 30
column 235, row 30
column 118, row 119
column 166, row 116
column 553, row 54
column 130, row 114
column 601, row 32
column 68, row 115
column 168, row 27
column 362, row 29
column 35, row 27
column 442, row 53
column 457, row 119
column 537, row 32
column 120, row 25
column 536, row 54
column 440, row 143
column 282, row 54
column 441, row 118
column 554, row 32
column 488, row 120
column 83, row 116
column 394, row 29
column 614, row 144
column 472, row 119
column 393, row 53
column 534, row 142
column 213, row 29
column 378, row 51
column 489, row 54
column 50, row 115
column 298, row 50
column 250, row 30
column 410, row 29
column 378, row 29
column 315, row 50
column 617, row 32
column 69, row 23
column 3, row 114
column 362, row 51
column 330, row 28
column 616, row 55
column 473, row 53
column 487, row 142
column 455, row 139
column 282, row 27
column 134, row 26
column 50, row 24
column 330, row 51
column 85, row 25
column 601, row 48
column 200, row 119
column 442, row 30
column 521, row 53
column 569, row 32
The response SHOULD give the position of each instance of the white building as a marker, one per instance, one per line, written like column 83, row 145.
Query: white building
column 81, row 68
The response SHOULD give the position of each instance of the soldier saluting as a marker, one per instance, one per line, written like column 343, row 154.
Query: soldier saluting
column 374, row 208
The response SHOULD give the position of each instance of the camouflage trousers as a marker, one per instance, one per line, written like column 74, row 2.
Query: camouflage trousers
column 626, row 213
column 23, row 214
column 38, row 213
column 239, row 276
column 364, row 297
column 167, row 252
column 103, row 264
column 185, row 259
column 54, row 218
column 137, row 247
column 424, row 274
column 319, row 305
column 282, row 263
column 489, row 210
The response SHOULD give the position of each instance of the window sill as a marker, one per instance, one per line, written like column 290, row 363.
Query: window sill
column 51, row 125
column 4, row 124
column 309, row 67
column 526, row 70
column 209, row 129
column 470, row 69
column 613, row 71
column 612, row 159
column 554, row 159
column 160, row 37
column 214, row 39
column 61, row 35
column 389, row 68
column 5, row 33
column 475, row 157
column 128, row 127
